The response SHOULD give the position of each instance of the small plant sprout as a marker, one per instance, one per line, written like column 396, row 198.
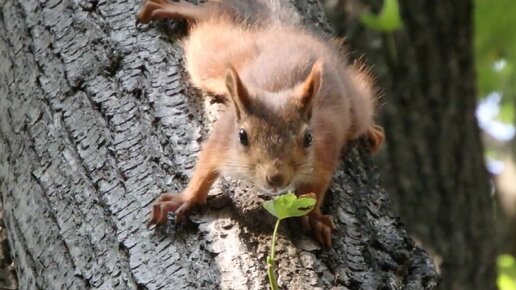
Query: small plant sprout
column 282, row 207
column 387, row 21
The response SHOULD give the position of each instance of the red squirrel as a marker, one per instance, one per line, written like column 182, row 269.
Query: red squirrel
column 294, row 103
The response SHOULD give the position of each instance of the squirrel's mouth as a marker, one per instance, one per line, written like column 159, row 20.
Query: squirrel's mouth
column 275, row 191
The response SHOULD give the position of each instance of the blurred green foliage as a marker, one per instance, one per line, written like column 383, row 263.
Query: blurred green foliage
column 387, row 20
column 495, row 57
column 506, row 272
column 495, row 52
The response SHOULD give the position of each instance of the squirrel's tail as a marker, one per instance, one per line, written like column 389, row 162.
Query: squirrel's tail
column 262, row 12
column 227, row 39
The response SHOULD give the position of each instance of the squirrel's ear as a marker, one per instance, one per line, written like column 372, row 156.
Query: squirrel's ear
column 237, row 92
column 310, row 88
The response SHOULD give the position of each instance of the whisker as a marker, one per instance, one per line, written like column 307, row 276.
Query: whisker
column 237, row 166
column 305, row 168
column 304, row 174
column 233, row 162
column 304, row 163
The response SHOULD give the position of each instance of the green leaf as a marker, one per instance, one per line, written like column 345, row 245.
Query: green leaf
column 506, row 272
column 505, row 282
column 388, row 20
column 495, row 42
column 507, row 114
column 506, row 261
column 289, row 205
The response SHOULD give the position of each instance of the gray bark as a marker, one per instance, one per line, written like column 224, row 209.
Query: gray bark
column 97, row 119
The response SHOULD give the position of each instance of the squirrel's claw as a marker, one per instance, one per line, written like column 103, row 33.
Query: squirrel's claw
column 169, row 202
column 321, row 226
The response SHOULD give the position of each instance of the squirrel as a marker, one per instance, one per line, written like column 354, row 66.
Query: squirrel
column 294, row 102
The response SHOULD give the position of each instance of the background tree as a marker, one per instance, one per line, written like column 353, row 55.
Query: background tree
column 433, row 162
column 97, row 119
column 495, row 52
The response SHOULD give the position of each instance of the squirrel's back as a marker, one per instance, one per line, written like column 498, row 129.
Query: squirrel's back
column 259, row 35
column 260, row 12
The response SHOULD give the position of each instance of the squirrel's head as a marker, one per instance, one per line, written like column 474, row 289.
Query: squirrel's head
column 273, row 142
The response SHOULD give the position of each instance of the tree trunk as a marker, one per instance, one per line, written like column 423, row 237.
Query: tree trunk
column 433, row 162
column 97, row 119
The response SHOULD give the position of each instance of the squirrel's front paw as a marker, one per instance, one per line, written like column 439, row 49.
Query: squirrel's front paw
column 321, row 226
column 170, row 202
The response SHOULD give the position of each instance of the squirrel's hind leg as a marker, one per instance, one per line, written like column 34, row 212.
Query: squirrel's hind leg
column 162, row 9
column 376, row 137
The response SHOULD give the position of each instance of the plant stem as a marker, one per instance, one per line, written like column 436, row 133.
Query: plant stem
column 272, row 276
column 271, row 263
column 273, row 242
column 391, row 46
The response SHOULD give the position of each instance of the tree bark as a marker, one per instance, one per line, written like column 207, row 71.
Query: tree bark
column 97, row 119
column 433, row 162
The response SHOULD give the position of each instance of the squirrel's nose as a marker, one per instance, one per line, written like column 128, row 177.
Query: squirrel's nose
column 275, row 180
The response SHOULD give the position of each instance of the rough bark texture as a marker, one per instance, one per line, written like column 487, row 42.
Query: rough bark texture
column 7, row 273
column 97, row 119
column 433, row 162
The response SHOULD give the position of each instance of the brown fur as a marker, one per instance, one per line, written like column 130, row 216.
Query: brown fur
column 282, row 81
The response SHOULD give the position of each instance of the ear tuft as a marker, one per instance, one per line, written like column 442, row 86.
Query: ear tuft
column 237, row 92
column 231, row 81
column 310, row 88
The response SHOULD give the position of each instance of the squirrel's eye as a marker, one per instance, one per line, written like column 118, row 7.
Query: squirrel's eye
column 307, row 139
column 242, row 137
